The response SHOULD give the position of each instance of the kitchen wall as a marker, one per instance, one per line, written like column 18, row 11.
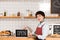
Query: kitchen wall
column 12, row 7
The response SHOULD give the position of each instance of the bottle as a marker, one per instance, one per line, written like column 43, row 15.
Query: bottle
column 18, row 14
column 29, row 13
column 4, row 13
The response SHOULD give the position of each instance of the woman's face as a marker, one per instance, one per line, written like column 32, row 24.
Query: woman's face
column 40, row 18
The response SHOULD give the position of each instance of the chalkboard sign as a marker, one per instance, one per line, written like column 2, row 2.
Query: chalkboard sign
column 55, row 6
column 21, row 33
column 56, row 29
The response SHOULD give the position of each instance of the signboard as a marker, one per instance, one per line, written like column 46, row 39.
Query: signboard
column 56, row 29
column 21, row 33
column 55, row 6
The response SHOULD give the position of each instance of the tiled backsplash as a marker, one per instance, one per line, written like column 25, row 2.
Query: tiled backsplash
column 17, row 23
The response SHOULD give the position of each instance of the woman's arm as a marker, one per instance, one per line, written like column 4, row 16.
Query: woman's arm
column 28, row 28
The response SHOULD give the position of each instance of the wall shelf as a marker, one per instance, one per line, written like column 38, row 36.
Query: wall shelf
column 29, row 17
column 10, row 16
column 52, row 16
column 46, row 17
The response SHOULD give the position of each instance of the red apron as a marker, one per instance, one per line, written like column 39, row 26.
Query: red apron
column 39, row 30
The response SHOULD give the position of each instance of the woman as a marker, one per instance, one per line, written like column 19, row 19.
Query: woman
column 42, row 28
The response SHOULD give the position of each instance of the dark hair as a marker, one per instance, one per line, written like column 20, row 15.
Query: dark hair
column 40, row 12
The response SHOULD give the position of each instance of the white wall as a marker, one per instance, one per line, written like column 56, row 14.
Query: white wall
column 12, row 7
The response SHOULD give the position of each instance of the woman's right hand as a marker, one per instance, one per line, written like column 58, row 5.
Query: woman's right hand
column 30, row 35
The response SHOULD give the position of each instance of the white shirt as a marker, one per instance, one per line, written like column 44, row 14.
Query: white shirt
column 45, row 30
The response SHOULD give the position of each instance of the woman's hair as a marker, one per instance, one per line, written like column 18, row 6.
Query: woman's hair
column 41, row 13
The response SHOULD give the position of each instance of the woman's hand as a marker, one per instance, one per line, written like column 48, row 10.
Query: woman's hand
column 25, row 27
column 30, row 35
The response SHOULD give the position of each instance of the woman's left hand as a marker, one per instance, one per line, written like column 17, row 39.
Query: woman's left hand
column 25, row 27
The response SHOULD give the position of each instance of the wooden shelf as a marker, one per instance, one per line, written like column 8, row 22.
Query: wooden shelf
column 46, row 17
column 52, row 16
column 29, row 17
column 10, row 16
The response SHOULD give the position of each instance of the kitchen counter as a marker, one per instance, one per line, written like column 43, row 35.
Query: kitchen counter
column 53, row 37
column 15, row 38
